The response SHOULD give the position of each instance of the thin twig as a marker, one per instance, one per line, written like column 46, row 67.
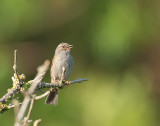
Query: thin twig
column 15, row 66
column 36, row 98
column 78, row 81
column 41, row 96
column 31, row 106
column 26, row 119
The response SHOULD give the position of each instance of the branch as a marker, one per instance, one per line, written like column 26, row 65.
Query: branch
column 42, row 85
column 78, row 81
column 11, row 93
column 41, row 72
column 25, row 123
column 42, row 96
column 15, row 67
column 17, row 82
column 30, row 109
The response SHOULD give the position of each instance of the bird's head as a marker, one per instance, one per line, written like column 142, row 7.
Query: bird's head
column 63, row 47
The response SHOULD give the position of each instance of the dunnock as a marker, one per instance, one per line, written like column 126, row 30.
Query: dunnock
column 62, row 58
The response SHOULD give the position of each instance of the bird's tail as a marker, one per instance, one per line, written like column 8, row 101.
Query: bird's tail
column 52, row 97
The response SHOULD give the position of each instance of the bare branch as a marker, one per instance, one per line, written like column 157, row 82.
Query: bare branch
column 25, row 123
column 78, row 81
column 31, row 106
column 36, row 98
column 10, row 93
column 41, row 96
column 15, row 66
column 42, row 85
column 41, row 72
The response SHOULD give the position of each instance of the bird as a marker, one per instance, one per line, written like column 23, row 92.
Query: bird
column 62, row 59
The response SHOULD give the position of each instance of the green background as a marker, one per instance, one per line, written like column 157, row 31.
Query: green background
column 116, row 46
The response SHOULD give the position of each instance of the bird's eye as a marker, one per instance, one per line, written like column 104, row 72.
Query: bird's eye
column 63, row 46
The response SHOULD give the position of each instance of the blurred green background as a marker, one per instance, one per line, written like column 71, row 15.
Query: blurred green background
column 116, row 46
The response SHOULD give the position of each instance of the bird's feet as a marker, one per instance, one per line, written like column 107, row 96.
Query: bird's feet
column 67, row 83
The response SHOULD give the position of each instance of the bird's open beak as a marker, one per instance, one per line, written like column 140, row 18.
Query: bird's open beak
column 70, row 46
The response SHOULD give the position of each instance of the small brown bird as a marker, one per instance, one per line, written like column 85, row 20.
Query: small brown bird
column 62, row 58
